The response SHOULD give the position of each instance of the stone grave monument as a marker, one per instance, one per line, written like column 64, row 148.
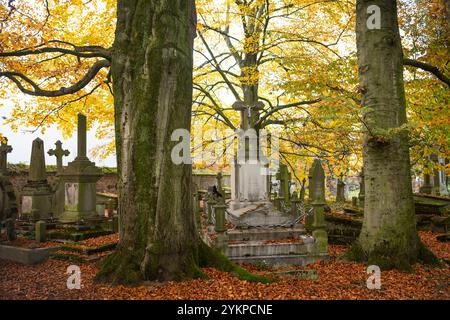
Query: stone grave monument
column 37, row 194
column 80, row 178
column 340, row 191
column 4, row 150
column 8, row 205
column 58, row 197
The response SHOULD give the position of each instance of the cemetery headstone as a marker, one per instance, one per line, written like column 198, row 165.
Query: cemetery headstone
column 318, row 202
column 59, row 153
column 284, row 176
column 80, row 179
column 302, row 191
column 37, row 194
column 318, row 183
column 8, row 203
column 41, row 231
column 427, row 187
column 294, row 202
column 58, row 197
column 340, row 191
column 4, row 150
column 10, row 227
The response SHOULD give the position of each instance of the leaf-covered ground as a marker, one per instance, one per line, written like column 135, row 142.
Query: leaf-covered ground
column 337, row 280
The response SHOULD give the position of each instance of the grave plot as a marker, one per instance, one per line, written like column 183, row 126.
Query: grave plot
column 260, row 229
column 49, row 218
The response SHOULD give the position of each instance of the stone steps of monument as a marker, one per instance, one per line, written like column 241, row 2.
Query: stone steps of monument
column 266, row 233
column 304, row 245
column 282, row 260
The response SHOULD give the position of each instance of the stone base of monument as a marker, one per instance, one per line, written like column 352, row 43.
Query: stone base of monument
column 36, row 201
column 25, row 255
column 266, row 234
column 301, row 252
column 255, row 214
column 263, row 234
column 78, row 217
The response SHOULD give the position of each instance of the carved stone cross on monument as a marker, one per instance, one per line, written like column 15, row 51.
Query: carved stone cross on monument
column 59, row 153
column 4, row 150
column 246, row 112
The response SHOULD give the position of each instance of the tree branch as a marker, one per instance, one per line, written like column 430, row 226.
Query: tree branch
column 37, row 91
column 429, row 68
column 286, row 106
column 80, row 52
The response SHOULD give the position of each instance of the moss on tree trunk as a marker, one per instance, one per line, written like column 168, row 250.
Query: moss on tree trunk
column 152, row 82
column 388, row 237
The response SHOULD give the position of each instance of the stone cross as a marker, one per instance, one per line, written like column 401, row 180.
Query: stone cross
column 246, row 116
column 59, row 153
column 284, row 176
column 81, row 143
column 4, row 150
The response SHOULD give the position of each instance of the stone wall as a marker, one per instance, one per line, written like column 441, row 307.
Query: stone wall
column 107, row 183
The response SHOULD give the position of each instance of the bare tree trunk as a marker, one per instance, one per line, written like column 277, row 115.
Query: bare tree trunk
column 388, row 237
column 152, row 73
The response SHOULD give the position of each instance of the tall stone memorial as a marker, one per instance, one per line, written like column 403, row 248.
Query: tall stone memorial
column 340, row 191
column 37, row 194
column 284, row 177
column 4, row 150
column 80, row 179
column 8, row 205
column 318, row 224
column 249, row 178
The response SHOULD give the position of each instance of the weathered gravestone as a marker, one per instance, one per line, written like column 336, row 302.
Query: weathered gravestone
column 340, row 191
column 4, row 150
column 80, row 179
column 37, row 194
column 8, row 204
column 427, row 187
column 10, row 227
column 294, row 204
column 249, row 179
column 284, row 176
column 40, row 231
column 318, row 225
column 58, row 197
column 302, row 191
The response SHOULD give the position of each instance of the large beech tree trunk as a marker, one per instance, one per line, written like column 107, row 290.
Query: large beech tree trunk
column 388, row 237
column 152, row 75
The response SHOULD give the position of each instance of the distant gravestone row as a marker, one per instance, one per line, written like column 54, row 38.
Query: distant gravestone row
column 74, row 198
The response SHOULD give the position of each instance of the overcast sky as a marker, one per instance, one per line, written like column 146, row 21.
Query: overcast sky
column 21, row 142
